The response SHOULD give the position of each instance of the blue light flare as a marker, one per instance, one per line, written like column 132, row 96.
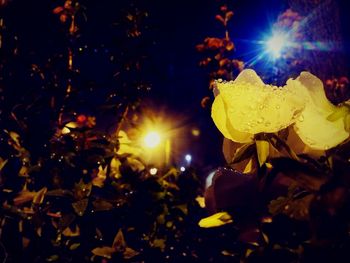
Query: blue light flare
column 277, row 44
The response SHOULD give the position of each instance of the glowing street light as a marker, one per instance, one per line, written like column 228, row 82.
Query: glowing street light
column 156, row 132
column 152, row 139
column 188, row 157
column 276, row 44
column 153, row 171
column 156, row 143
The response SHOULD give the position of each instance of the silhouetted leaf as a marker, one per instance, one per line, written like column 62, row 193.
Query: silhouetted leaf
column 52, row 258
column 69, row 232
column 65, row 221
column 82, row 190
column 80, row 206
column 183, row 208
column 2, row 163
column 230, row 46
column 102, row 205
column 39, row 196
column 60, row 193
column 229, row 15
column 220, row 19
column 105, row 252
column 297, row 208
column 303, row 174
column 74, row 246
column 119, row 242
column 23, row 197
column 129, row 253
column 281, row 145
column 159, row 243
column 244, row 152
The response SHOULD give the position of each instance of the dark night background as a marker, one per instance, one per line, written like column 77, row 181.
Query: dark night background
column 53, row 181
column 175, row 28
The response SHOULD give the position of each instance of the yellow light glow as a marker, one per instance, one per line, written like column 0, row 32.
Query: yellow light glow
column 195, row 132
column 152, row 139
column 153, row 171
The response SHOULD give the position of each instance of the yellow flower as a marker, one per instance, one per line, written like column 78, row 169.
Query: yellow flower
column 218, row 219
column 247, row 106
column 313, row 126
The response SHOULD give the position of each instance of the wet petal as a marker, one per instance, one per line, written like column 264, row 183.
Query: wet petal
column 219, row 116
column 253, row 107
column 316, row 93
column 317, row 132
column 313, row 127
column 218, row 219
column 249, row 76
column 299, row 147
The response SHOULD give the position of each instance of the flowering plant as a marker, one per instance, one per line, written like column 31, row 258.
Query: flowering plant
column 246, row 107
column 287, row 150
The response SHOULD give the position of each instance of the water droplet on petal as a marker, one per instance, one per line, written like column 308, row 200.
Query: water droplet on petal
column 267, row 123
column 260, row 120
column 301, row 118
column 309, row 141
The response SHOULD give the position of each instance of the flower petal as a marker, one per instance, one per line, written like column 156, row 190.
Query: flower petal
column 219, row 116
column 249, row 76
column 313, row 127
column 299, row 147
column 218, row 219
column 316, row 93
column 253, row 107
column 317, row 132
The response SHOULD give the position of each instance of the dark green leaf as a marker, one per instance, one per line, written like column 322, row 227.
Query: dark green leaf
column 244, row 152
column 65, row 221
column 159, row 243
column 303, row 174
column 60, row 193
column 52, row 258
column 74, row 246
column 105, row 252
column 183, row 208
column 280, row 145
column 119, row 243
column 39, row 196
column 294, row 208
column 102, row 205
column 80, row 206
column 129, row 253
